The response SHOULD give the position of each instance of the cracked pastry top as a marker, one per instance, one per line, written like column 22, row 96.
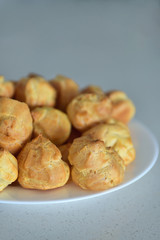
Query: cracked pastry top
column 15, row 124
column 87, row 109
column 8, row 168
column 123, row 108
column 35, row 91
column 41, row 166
column 93, row 89
column 52, row 124
column 117, row 135
column 94, row 166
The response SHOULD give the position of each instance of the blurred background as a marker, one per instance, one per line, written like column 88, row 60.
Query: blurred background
column 114, row 44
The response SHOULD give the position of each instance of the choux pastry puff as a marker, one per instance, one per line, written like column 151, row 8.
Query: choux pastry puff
column 41, row 166
column 7, row 89
column 15, row 124
column 117, row 135
column 8, row 168
column 123, row 108
column 87, row 109
column 35, row 91
column 66, row 89
column 52, row 124
column 94, row 166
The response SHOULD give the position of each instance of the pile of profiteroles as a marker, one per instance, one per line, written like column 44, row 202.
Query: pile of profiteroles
column 51, row 132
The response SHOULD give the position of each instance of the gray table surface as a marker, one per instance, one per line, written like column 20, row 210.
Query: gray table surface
column 115, row 44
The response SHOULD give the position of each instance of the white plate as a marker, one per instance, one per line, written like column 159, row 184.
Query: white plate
column 146, row 155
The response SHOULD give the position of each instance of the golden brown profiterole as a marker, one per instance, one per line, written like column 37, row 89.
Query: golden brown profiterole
column 66, row 89
column 35, row 91
column 95, row 167
column 41, row 166
column 8, row 168
column 93, row 89
column 52, row 124
column 88, row 109
column 123, row 108
column 15, row 124
column 117, row 135
column 7, row 88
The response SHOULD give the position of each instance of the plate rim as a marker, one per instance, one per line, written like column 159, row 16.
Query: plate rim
column 101, row 193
